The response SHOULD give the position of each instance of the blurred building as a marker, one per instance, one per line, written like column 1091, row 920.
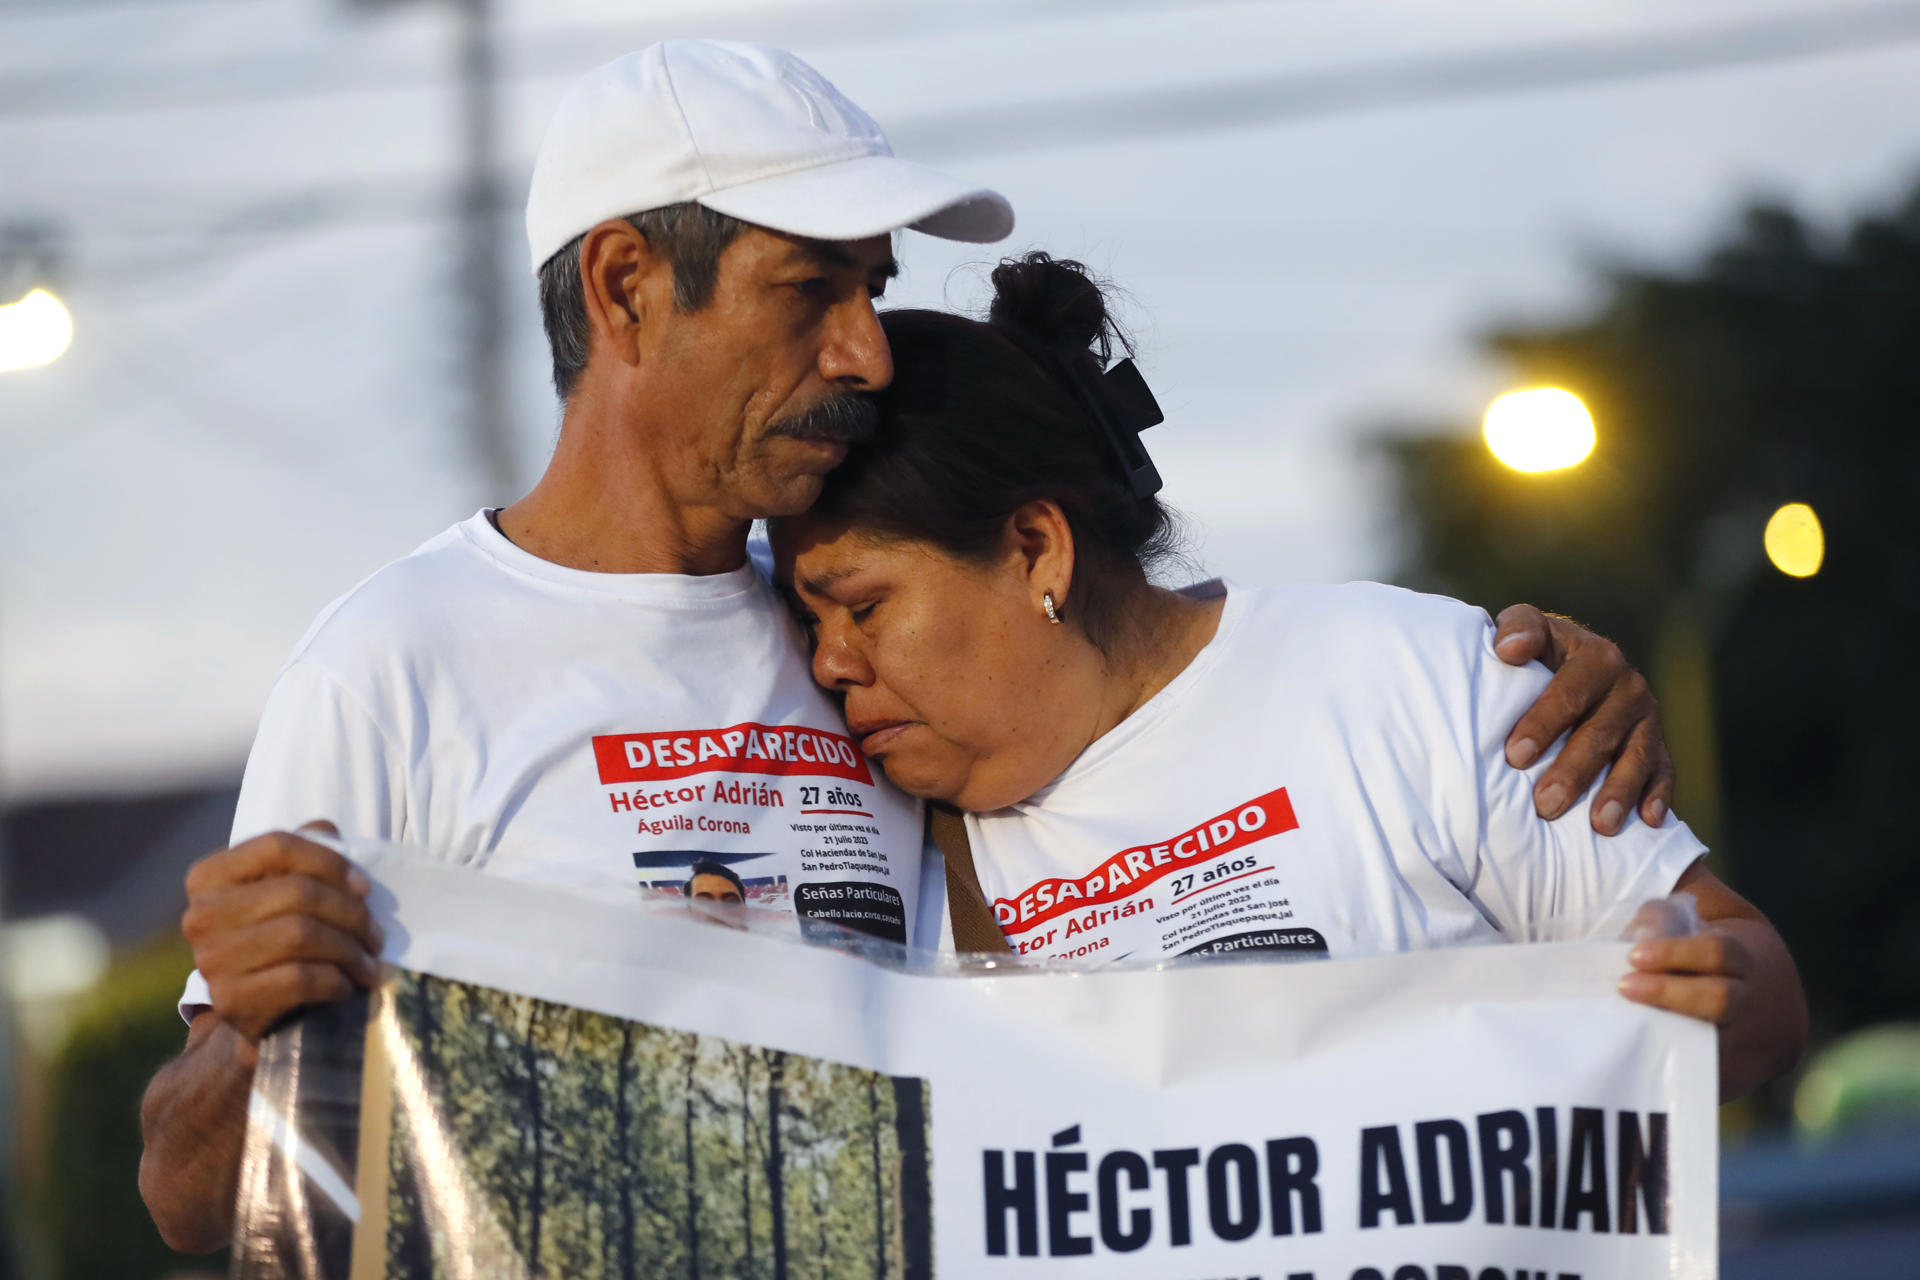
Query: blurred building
column 117, row 861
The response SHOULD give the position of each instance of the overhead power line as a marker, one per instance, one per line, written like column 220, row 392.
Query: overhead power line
column 90, row 8
column 1261, row 100
column 1248, row 102
column 289, row 76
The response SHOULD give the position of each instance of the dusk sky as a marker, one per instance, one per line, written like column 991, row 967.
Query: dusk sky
column 246, row 199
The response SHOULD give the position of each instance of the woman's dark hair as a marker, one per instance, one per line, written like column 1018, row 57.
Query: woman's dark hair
column 980, row 420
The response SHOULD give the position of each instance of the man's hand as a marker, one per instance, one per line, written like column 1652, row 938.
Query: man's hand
column 278, row 922
column 275, row 923
column 1609, row 708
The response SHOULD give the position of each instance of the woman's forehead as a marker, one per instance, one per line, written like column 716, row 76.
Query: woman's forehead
column 806, row 543
column 812, row 554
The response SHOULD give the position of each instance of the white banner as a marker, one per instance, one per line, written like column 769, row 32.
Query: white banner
column 1477, row 1114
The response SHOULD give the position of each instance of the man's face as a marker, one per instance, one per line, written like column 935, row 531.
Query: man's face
column 743, row 381
column 708, row 887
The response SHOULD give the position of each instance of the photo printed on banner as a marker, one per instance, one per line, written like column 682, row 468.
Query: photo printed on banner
column 530, row 1138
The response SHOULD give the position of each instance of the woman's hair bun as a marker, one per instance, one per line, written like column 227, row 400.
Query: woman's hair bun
column 1057, row 302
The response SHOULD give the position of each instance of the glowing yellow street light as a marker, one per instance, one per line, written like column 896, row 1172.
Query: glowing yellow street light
column 34, row 331
column 1541, row 429
column 1795, row 542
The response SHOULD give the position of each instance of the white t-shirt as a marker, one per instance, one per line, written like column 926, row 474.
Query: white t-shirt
column 1328, row 776
column 558, row 726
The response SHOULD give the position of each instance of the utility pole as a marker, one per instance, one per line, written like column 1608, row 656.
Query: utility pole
column 26, row 254
column 480, row 289
column 25, row 251
column 479, row 292
column 10, row 1162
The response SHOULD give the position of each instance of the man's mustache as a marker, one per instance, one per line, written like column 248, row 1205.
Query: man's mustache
column 845, row 419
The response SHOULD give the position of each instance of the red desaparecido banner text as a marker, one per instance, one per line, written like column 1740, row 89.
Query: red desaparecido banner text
column 1131, row 870
column 777, row 750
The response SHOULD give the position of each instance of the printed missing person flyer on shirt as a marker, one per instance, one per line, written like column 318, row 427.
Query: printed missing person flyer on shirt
column 552, row 1082
column 774, row 817
column 1170, row 898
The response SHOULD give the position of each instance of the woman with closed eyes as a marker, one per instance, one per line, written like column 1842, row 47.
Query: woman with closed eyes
column 1217, row 770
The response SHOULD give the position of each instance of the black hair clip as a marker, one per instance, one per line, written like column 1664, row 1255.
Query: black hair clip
column 1118, row 400
column 1124, row 407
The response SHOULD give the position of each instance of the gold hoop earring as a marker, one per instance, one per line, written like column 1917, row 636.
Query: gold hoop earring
column 1046, row 602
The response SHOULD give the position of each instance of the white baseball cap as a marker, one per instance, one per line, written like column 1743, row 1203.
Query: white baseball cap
column 748, row 131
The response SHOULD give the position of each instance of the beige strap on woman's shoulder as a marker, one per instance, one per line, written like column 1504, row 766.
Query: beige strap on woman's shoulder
column 974, row 928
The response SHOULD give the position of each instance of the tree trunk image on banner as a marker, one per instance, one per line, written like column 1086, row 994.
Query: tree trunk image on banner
column 561, row 1083
column 526, row 1138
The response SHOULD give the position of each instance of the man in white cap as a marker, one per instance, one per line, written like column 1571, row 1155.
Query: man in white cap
column 557, row 690
column 593, row 681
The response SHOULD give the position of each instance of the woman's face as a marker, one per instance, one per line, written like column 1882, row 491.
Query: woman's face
column 953, row 678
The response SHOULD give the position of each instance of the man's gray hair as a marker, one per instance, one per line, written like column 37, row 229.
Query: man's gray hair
column 691, row 236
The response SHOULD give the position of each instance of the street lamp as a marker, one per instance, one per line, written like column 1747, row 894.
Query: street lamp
column 34, row 331
column 1794, row 540
column 1540, row 429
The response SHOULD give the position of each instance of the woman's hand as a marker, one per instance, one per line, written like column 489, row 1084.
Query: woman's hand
column 1598, row 696
column 1708, row 976
column 1734, row 972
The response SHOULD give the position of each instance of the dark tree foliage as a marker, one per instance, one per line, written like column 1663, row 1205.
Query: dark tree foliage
column 1784, row 367
column 87, row 1212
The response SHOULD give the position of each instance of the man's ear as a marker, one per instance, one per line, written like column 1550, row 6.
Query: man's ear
column 1041, row 540
column 622, row 278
